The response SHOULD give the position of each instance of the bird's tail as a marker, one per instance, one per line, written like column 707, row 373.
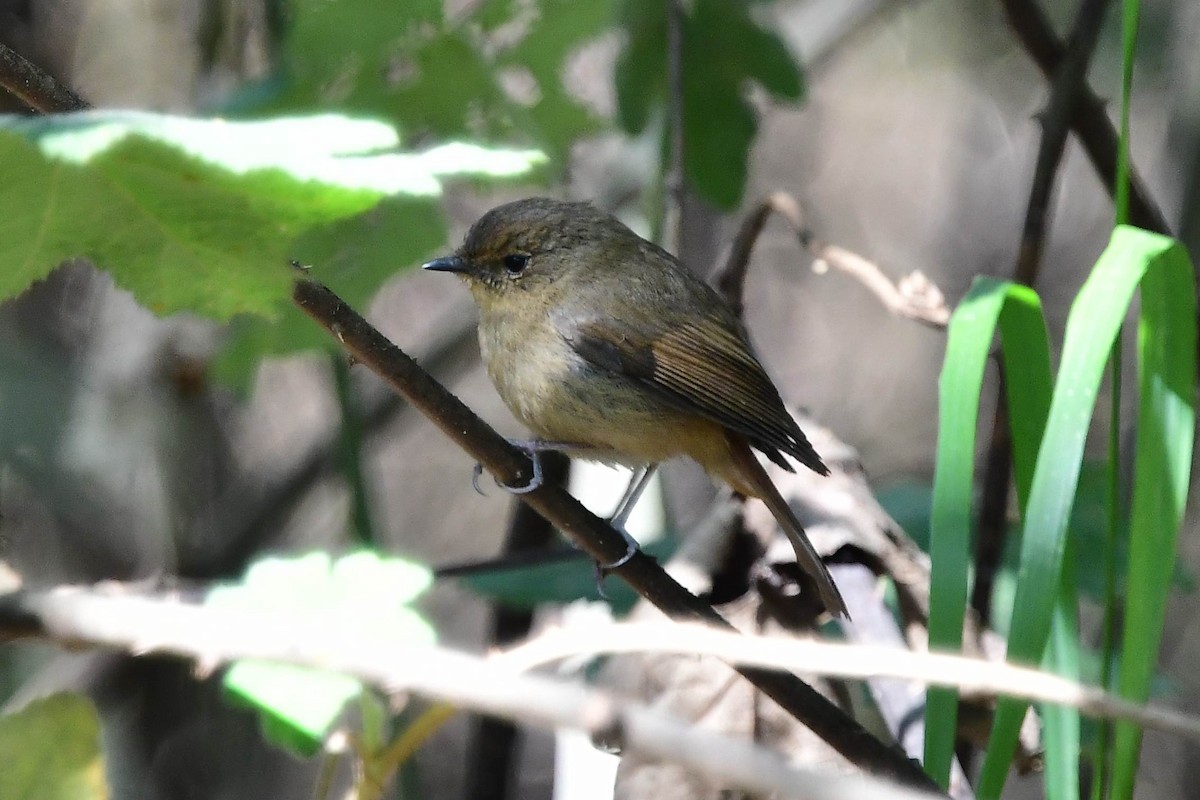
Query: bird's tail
column 755, row 482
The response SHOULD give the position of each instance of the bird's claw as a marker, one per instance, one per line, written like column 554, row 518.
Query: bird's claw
column 602, row 570
column 535, row 482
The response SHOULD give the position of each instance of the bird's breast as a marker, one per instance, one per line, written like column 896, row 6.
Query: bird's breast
column 527, row 365
column 561, row 397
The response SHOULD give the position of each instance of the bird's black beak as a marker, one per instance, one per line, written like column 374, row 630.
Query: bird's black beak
column 446, row 264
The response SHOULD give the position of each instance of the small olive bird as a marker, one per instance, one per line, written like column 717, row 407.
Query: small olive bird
column 600, row 341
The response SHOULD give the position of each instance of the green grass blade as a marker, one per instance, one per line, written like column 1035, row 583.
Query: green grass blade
column 1092, row 326
column 1162, row 465
column 1017, row 312
column 1061, row 726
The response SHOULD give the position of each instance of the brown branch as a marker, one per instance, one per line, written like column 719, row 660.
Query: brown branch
column 1088, row 118
column 367, row 346
column 1066, row 93
column 914, row 297
column 34, row 86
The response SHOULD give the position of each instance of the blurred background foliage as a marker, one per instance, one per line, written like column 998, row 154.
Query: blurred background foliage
column 907, row 129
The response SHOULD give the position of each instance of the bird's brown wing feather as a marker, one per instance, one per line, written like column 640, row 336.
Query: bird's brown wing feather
column 702, row 367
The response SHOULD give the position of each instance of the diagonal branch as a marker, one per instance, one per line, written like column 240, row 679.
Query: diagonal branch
column 35, row 87
column 1088, row 118
column 367, row 346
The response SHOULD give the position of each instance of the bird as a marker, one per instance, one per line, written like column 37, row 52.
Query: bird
column 604, row 344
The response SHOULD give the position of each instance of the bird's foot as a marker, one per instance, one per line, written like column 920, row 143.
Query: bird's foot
column 602, row 570
column 631, row 549
column 533, row 483
column 534, row 449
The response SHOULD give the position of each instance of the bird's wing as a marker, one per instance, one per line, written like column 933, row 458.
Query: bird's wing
column 703, row 367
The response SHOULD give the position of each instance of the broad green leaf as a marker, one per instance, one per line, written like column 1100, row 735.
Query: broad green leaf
column 201, row 215
column 1016, row 311
column 50, row 750
column 361, row 594
column 1167, row 341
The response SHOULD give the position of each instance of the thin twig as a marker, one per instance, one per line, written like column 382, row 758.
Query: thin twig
column 1066, row 93
column 915, row 297
column 973, row 676
column 1089, row 118
column 34, row 86
column 214, row 636
column 115, row 616
column 592, row 534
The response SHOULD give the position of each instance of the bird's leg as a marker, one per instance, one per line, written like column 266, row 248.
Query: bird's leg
column 637, row 484
column 633, row 492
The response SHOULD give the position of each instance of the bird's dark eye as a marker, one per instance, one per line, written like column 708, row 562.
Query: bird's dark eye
column 515, row 263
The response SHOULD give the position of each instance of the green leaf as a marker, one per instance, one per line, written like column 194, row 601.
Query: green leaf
column 356, row 256
column 773, row 66
column 910, row 504
column 149, row 215
column 724, row 51
column 51, row 751
column 204, row 215
column 747, row 51
column 494, row 13
column 430, row 104
column 1017, row 312
column 200, row 215
column 1061, row 726
column 347, row 55
column 361, row 594
column 558, row 31
column 296, row 706
column 1167, row 344
column 440, row 75
column 1162, row 469
column 641, row 68
column 718, row 129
